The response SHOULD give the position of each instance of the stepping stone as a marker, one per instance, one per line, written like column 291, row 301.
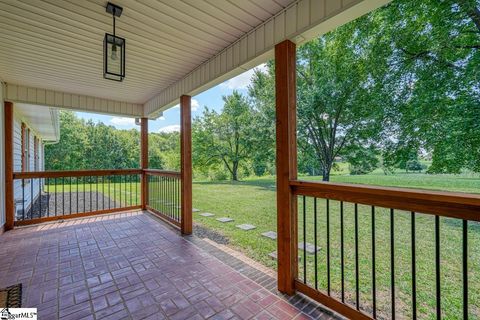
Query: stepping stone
column 309, row 248
column 224, row 219
column 270, row 234
column 246, row 226
column 273, row 255
column 207, row 214
column 195, row 210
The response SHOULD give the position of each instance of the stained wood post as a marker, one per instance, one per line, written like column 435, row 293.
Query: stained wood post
column 8, row 143
column 144, row 161
column 286, row 99
column 186, row 162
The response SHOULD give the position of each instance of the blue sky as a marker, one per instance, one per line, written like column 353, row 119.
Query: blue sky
column 170, row 121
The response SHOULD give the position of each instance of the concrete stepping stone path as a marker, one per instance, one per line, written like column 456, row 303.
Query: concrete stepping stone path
column 309, row 248
column 270, row 234
column 225, row 219
column 273, row 255
column 246, row 226
column 195, row 210
column 207, row 214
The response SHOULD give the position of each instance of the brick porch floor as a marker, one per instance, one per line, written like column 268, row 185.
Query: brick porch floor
column 131, row 266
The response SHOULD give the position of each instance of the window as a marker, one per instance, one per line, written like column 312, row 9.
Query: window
column 25, row 148
column 36, row 156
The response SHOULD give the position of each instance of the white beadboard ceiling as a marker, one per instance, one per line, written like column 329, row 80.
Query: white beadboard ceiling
column 57, row 44
column 51, row 51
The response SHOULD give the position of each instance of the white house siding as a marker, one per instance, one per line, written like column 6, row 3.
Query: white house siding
column 2, row 161
column 23, row 195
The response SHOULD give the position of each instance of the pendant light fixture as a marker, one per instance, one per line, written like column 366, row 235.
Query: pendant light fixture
column 114, row 49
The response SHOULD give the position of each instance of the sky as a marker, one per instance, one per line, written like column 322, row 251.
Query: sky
column 170, row 121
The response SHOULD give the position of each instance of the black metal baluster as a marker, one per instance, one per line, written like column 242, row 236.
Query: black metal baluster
column 55, row 182
column 315, row 240
column 465, row 268
column 437, row 267
column 374, row 280
column 96, row 191
column 120, row 191
column 103, row 192
column 414, row 268
column 84, row 194
column 392, row 260
column 91, row 200
column 70, row 196
column 47, row 184
column 109, row 194
column 328, row 246
column 114, row 192
column 40, row 196
column 76, row 181
column 31, row 199
column 304, row 241
column 357, row 286
column 342, row 254
column 23, row 199
column 63, row 196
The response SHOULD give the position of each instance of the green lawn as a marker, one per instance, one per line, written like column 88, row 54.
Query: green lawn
column 253, row 201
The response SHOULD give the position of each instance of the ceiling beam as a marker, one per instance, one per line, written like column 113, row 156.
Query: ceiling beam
column 66, row 100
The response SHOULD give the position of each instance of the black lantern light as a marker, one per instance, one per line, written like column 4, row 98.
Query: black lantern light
column 114, row 49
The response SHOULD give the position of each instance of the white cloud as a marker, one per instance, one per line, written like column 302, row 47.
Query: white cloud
column 161, row 118
column 195, row 105
column 122, row 121
column 170, row 129
column 243, row 80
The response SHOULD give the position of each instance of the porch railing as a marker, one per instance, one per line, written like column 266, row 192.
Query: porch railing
column 53, row 195
column 164, row 195
column 362, row 250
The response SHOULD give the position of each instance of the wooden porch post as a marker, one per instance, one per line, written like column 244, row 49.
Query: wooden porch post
column 8, row 143
column 286, row 99
column 144, row 161
column 186, row 162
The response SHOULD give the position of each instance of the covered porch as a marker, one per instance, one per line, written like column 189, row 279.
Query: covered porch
column 82, row 255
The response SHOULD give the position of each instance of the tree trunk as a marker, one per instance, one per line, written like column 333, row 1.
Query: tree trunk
column 326, row 172
column 235, row 171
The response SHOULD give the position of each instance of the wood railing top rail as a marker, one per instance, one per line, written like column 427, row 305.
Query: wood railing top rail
column 448, row 204
column 157, row 172
column 74, row 173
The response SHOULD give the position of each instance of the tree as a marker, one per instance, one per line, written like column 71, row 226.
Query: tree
column 224, row 138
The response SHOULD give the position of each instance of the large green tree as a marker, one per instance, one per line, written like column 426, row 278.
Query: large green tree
column 224, row 138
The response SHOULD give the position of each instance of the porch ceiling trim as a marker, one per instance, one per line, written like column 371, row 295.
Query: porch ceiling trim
column 299, row 22
column 65, row 100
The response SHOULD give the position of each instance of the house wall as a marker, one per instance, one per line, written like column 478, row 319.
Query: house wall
column 2, row 160
column 27, row 190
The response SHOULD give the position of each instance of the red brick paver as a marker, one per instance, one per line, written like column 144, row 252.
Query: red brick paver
column 128, row 266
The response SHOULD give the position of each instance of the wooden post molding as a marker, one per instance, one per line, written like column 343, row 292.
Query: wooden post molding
column 286, row 100
column 144, row 161
column 8, row 143
column 186, row 163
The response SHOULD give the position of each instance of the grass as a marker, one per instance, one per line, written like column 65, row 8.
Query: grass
column 253, row 201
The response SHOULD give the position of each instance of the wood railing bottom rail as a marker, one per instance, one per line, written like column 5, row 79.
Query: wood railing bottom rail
column 74, row 215
column 165, row 218
column 331, row 302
